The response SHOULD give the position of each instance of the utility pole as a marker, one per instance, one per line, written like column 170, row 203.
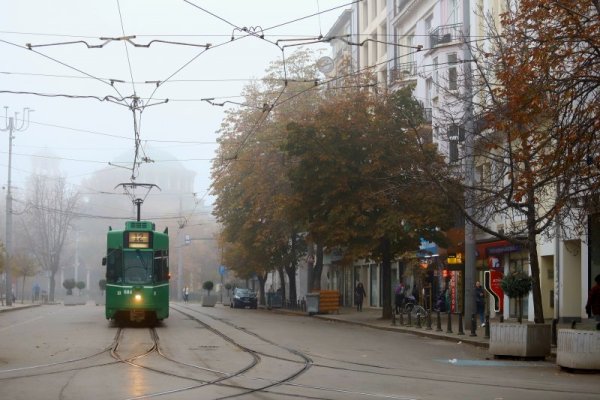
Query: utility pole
column 470, row 270
column 11, row 125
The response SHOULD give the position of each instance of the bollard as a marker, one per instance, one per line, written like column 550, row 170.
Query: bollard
column 449, row 327
column 439, row 322
column 554, row 332
column 460, row 325
column 409, row 322
column 419, row 320
column 487, row 327
column 393, row 318
column 473, row 325
column 501, row 318
column 428, row 319
column 401, row 322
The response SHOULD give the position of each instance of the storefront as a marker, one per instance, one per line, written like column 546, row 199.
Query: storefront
column 503, row 257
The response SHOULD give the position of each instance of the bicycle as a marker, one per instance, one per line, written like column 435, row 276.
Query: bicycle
column 416, row 310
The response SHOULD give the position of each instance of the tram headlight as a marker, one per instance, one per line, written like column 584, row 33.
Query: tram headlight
column 137, row 297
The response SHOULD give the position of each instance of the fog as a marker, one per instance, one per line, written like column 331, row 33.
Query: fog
column 83, row 126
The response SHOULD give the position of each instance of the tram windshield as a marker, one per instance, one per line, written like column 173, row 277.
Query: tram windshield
column 137, row 266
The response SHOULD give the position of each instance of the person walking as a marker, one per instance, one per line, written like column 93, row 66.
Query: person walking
column 186, row 294
column 592, row 306
column 480, row 302
column 399, row 296
column 359, row 295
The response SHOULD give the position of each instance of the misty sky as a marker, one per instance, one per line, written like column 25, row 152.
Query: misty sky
column 73, row 126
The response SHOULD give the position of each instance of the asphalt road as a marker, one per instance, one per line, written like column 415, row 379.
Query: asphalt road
column 59, row 352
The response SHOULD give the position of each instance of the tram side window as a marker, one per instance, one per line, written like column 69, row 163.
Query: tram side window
column 113, row 265
column 161, row 266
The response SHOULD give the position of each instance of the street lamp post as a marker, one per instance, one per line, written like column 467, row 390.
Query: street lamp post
column 11, row 125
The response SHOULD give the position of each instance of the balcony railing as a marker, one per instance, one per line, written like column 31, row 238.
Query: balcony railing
column 403, row 71
column 445, row 34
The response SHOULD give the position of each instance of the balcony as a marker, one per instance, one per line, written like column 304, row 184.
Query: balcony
column 403, row 72
column 445, row 34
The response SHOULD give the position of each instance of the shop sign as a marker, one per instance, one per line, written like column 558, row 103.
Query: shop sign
column 491, row 283
column 454, row 258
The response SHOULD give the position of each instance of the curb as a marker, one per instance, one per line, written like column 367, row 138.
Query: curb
column 13, row 308
column 423, row 333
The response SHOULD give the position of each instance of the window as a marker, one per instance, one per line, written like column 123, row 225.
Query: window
column 453, row 151
column 452, row 72
column 137, row 266
column 428, row 22
column 410, row 42
column 113, row 265
column 453, row 10
column 436, row 75
column 428, row 92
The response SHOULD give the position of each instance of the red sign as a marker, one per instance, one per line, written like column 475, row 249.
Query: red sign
column 491, row 283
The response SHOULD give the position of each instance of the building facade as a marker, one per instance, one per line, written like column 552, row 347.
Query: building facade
column 421, row 43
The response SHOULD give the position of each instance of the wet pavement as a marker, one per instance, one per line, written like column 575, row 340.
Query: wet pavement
column 372, row 318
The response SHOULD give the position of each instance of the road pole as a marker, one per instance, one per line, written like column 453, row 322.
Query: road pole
column 10, row 126
column 470, row 270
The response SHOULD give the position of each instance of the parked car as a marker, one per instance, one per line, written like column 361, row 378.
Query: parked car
column 243, row 298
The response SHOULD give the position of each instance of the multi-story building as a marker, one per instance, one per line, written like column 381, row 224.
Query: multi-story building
column 421, row 43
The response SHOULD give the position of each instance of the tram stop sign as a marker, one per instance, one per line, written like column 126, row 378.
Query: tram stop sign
column 222, row 270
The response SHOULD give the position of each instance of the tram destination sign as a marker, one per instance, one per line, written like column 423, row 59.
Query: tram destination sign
column 138, row 240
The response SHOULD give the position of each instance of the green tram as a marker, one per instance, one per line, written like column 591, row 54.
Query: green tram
column 137, row 273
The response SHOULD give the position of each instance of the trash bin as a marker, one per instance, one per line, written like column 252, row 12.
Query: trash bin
column 312, row 303
column 274, row 300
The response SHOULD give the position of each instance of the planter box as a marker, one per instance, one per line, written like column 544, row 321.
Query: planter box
column 71, row 300
column 520, row 340
column 578, row 349
column 209, row 301
column 100, row 301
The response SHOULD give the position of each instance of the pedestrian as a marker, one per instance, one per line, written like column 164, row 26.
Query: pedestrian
column 399, row 296
column 186, row 294
column 592, row 306
column 480, row 301
column 359, row 295
column 415, row 293
column 36, row 292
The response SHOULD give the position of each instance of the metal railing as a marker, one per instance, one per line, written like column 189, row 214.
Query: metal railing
column 403, row 71
column 444, row 34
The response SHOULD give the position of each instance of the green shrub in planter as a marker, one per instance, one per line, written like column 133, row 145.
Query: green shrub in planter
column 208, row 286
column 516, row 285
column 69, row 284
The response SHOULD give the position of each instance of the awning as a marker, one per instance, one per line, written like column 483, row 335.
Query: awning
column 484, row 250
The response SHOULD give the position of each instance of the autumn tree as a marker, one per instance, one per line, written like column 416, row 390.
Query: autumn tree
column 249, row 174
column 535, row 125
column 24, row 266
column 357, row 174
column 52, row 207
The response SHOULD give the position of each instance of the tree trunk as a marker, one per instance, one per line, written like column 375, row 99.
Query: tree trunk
column 290, row 270
column 52, row 286
column 310, row 265
column 282, row 280
column 534, row 265
column 386, row 278
column 318, row 267
column 23, row 290
column 262, row 280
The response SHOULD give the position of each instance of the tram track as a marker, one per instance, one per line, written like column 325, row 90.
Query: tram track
column 223, row 376
column 404, row 373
